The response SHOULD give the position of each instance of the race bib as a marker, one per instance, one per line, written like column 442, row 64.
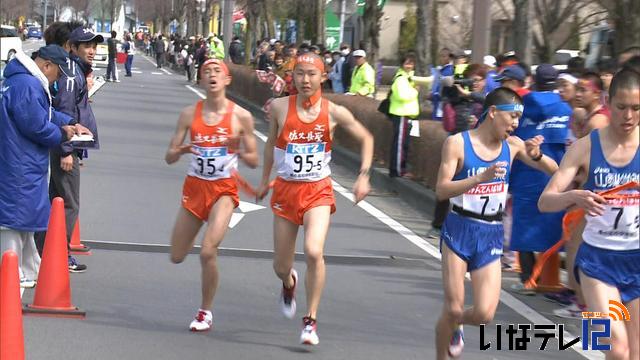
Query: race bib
column 212, row 163
column 305, row 161
column 486, row 199
column 621, row 219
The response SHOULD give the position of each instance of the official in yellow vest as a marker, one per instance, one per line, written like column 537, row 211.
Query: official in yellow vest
column 403, row 106
column 363, row 78
column 216, row 47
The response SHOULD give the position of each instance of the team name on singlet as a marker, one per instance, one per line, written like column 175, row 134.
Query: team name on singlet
column 313, row 136
column 213, row 161
column 485, row 198
column 604, row 178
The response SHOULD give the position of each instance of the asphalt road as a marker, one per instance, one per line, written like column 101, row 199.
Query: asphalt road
column 383, row 292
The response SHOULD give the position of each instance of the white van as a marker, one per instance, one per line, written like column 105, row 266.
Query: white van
column 10, row 42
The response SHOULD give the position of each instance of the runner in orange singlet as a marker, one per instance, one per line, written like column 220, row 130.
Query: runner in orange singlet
column 300, row 139
column 217, row 126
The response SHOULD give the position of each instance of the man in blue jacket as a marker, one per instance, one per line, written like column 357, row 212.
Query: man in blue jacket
column 28, row 128
column 73, row 99
column 547, row 115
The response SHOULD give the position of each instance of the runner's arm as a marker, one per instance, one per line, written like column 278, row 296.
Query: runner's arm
column 528, row 150
column 270, row 143
column 250, row 154
column 555, row 197
column 176, row 148
column 446, row 187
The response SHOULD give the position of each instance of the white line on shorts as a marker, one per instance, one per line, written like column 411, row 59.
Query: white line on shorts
column 506, row 298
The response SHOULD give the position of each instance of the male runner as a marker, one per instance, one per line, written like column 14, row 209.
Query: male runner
column 216, row 127
column 472, row 234
column 608, row 261
column 300, row 138
column 589, row 96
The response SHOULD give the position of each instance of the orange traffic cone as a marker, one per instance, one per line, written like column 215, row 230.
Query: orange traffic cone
column 53, row 293
column 550, row 276
column 76, row 247
column 11, row 335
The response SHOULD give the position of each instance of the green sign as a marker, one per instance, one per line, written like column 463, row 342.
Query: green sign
column 332, row 31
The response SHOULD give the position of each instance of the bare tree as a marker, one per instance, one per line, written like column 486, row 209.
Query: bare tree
column 11, row 10
column 624, row 15
column 423, row 36
column 521, row 32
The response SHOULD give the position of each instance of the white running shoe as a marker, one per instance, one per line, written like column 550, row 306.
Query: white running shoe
column 288, row 297
column 457, row 343
column 202, row 322
column 309, row 335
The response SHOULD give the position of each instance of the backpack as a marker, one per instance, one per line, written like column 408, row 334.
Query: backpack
column 448, row 117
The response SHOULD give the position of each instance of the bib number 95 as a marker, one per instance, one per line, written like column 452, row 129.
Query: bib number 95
column 306, row 163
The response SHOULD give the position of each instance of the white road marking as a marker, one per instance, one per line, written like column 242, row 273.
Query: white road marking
column 246, row 207
column 166, row 71
column 136, row 72
column 235, row 219
column 156, row 73
column 506, row 298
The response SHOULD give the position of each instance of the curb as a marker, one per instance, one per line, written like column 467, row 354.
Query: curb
column 417, row 196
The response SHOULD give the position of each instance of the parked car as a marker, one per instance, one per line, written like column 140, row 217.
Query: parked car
column 102, row 52
column 10, row 42
column 34, row 32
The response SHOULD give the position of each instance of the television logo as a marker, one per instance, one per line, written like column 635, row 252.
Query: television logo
column 519, row 336
column 617, row 312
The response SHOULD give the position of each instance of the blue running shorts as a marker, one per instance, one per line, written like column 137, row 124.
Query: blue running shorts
column 476, row 242
column 619, row 268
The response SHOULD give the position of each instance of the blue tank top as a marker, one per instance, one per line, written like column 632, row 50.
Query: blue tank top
column 485, row 199
column 618, row 228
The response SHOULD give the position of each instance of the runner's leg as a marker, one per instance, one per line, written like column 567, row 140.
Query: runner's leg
column 633, row 328
column 284, row 248
column 184, row 235
column 453, row 271
column 597, row 294
column 316, row 225
column 219, row 218
column 486, row 283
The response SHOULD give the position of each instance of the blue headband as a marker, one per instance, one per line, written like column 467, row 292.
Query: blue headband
column 503, row 107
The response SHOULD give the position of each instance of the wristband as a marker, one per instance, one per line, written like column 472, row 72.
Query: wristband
column 366, row 172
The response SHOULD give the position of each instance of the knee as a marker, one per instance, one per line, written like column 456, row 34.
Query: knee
column 619, row 349
column 208, row 254
column 453, row 312
column 482, row 316
column 314, row 257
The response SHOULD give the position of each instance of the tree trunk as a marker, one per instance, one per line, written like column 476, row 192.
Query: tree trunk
column 268, row 16
column 320, row 22
column 423, row 37
column 300, row 23
column 521, row 34
column 435, row 25
column 625, row 16
column 371, row 30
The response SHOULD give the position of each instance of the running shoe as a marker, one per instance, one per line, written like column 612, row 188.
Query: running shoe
column 309, row 334
column 573, row 311
column 457, row 343
column 74, row 267
column 523, row 290
column 288, row 297
column 202, row 322
column 434, row 233
column 566, row 297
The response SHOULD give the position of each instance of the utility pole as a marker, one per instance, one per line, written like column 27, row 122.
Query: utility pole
column 481, row 30
column 343, row 9
column 227, row 22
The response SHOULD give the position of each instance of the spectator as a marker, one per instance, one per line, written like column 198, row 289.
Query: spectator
column 58, row 33
column 364, row 76
column 200, row 57
column 187, row 61
column 444, row 69
column 236, row 52
column 403, row 106
column 544, row 114
column 347, row 66
column 216, row 47
column 72, row 99
column 513, row 77
column 492, row 83
column 127, row 48
column 112, row 71
column 279, row 69
column 467, row 98
column 159, row 49
column 266, row 61
column 575, row 65
column 336, row 73
column 567, row 88
column 28, row 127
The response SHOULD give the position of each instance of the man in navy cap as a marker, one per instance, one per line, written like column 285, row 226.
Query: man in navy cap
column 28, row 128
column 544, row 114
column 73, row 99
column 513, row 77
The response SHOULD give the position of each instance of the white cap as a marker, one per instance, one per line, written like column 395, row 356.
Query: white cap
column 360, row 52
column 272, row 41
column 568, row 77
column 489, row 60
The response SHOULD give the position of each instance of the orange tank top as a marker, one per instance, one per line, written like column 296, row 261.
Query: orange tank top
column 214, row 161
column 303, row 150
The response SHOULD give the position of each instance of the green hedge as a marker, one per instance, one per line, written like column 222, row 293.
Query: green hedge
column 424, row 152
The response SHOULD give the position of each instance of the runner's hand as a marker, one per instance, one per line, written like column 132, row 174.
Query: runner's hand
column 66, row 163
column 532, row 146
column 233, row 143
column 495, row 171
column 187, row 149
column 361, row 188
column 591, row 202
column 262, row 190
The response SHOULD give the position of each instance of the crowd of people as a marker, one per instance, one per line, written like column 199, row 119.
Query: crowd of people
column 523, row 143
